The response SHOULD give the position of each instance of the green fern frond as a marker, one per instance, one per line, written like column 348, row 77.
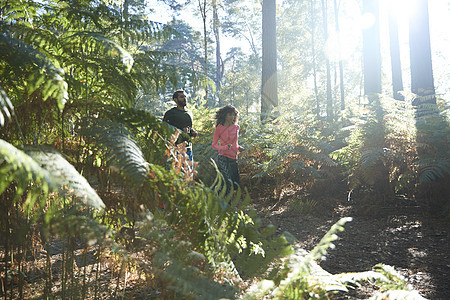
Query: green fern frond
column 303, row 168
column 218, row 226
column 70, row 182
column 320, row 251
column 395, row 287
column 187, row 280
column 314, row 155
column 268, row 167
column 301, row 275
column 426, row 108
column 93, row 42
column 118, row 89
column 302, row 264
column 25, row 64
column 433, row 169
column 355, row 278
column 18, row 10
column 401, row 294
column 392, row 284
column 76, row 222
column 49, row 172
column 40, row 38
column 149, row 66
column 374, row 156
column 120, row 148
column 139, row 29
column 371, row 157
column 175, row 262
column 134, row 118
column 6, row 107
column 19, row 168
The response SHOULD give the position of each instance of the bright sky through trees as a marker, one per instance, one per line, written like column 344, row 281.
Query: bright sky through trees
column 351, row 24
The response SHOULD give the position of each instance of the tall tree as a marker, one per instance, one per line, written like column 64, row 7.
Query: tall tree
column 341, row 65
column 202, row 4
column 243, row 22
column 422, row 82
column 371, row 48
column 396, row 65
column 327, row 61
column 269, row 84
column 219, row 64
column 313, row 54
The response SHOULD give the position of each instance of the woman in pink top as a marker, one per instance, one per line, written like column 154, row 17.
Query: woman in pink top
column 225, row 141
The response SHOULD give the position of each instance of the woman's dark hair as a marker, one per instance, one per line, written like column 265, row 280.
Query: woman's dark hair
column 222, row 112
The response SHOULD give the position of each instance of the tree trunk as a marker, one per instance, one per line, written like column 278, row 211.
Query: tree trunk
column 422, row 83
column 202, row 7
column 371, row 50
column 125, row 19
column 325, row 32
column 313, row 54
column 396, row 66
column 269, row 89
column 219, row 65
column 341, row 65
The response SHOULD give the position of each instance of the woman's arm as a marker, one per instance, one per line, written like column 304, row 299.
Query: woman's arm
column 215, row 142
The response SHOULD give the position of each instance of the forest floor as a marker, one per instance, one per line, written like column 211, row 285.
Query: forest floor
column 409, row 238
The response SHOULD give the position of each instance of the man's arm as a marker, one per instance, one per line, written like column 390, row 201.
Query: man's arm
column 166, row 117
column 193, row 133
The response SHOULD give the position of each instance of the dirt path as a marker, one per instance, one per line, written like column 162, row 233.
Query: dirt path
column 415, row 243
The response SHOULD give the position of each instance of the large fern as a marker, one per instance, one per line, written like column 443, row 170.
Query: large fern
column 119, row 149
column 175, row 262
column 432, row 169
column 71, row 182
column 6, row 107
column 24, row 63
column 296, row 148
column 377, row 156
column 45, row 171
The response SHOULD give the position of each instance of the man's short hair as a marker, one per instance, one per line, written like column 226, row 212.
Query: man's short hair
column 177, row 92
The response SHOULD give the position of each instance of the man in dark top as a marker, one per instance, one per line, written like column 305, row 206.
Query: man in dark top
column 181, row 118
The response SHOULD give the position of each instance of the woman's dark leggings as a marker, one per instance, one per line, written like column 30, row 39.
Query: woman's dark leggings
column 230, row 171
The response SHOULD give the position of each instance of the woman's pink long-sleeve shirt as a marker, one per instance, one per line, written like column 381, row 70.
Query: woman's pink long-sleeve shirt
column 227, row 135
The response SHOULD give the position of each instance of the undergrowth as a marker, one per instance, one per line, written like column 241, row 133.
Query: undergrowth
column 203, row 243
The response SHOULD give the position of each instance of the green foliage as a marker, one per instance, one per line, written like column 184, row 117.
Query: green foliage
column 305, row 207
column 118, row 147
column 17, row 167
column 292, row 144
column 71, row 73
column 70, row 181
column 395, row 286
column 241, row 85
column 151, row 134
column 6, row 107
column 433, row 169
column 302, row 278
column 26, row 64
column 432, row 135
column 374, row 157
column 175, row 261
column 218, row 226
column 47, row 171
column 214, row 222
